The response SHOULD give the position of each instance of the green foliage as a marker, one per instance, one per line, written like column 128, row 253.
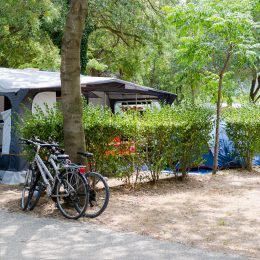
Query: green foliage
column 100, row 130
column 23, row 43
column 96, row 65
column 207, row 32
column 46, row 126
column 193, row 135
column 117, row 39
column 243, row 128
column 156, row 138
column 133, row 41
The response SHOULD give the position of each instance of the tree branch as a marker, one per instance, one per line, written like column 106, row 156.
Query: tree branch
column 154, row 8
column 223, row 70
column 121, row 34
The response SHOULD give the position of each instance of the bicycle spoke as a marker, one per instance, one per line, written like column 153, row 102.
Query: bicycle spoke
column 98, row 194
column 74, row 204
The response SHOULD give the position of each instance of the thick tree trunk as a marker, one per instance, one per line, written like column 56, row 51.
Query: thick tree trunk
column 220, row 84
column 74, row 138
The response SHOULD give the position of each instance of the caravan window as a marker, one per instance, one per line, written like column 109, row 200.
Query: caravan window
column 138, row 105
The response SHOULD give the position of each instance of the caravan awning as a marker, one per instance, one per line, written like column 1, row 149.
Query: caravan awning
column 13, row 80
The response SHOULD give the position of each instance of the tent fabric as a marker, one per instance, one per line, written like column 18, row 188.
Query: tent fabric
column 6, row 137
column 13, row 80
column 42, row 100
column 10, row 178
column 228, row 157
column 256, row 161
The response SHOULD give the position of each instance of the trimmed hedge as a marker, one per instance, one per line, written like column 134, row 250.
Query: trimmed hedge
column 156, row 138
column 243, row 129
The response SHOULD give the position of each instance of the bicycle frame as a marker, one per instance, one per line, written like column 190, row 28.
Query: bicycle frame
column 45, row 173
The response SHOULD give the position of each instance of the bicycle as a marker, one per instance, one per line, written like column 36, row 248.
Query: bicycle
column 97, row 187
column 69, row 189
column 98, row 190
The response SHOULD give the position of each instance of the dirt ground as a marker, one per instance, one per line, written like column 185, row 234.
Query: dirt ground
column 220, row 213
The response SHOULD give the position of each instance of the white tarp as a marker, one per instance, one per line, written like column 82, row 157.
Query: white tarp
column 12, row 80
column 10, row 177
column 6, row 115
column 42, row 100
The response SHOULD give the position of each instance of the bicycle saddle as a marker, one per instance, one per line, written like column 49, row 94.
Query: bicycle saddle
column 62, row 156
column 85, row 154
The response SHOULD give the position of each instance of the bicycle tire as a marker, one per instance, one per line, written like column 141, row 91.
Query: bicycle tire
column 71, row 194
column 98, row 194
column 36, row 189
column 34, row 192
column 26, row 188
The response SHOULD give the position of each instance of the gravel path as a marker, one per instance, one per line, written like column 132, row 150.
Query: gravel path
column 28, row 237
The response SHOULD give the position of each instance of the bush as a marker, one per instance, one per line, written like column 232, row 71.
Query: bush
column 157, row 138
column 192, row 134
column 160, row 138
column 101, row 128
column 243, row 128
column 46, row 126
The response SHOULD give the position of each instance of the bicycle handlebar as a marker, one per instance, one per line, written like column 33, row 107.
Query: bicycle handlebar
column 38, row 143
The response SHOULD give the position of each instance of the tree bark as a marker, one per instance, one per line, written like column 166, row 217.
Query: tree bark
column 74, row 138
column 215, row 162
column 220, row 84
column 248, row 163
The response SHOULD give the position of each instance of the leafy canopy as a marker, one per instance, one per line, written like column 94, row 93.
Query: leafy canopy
column 23, row 43
column 207, row 31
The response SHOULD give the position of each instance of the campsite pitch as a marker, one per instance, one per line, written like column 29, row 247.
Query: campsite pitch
column 218, row 213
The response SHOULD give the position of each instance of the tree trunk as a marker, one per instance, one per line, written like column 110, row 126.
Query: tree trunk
column 215, row 163
column 249, row 164
column 220, row 84
column 74, row 138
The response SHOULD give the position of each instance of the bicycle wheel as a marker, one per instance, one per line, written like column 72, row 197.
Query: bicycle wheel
column 32, row 189
column 26, row 188
column 72, row 195
column 35, row 190
column 98, row 194
column 36, row 194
